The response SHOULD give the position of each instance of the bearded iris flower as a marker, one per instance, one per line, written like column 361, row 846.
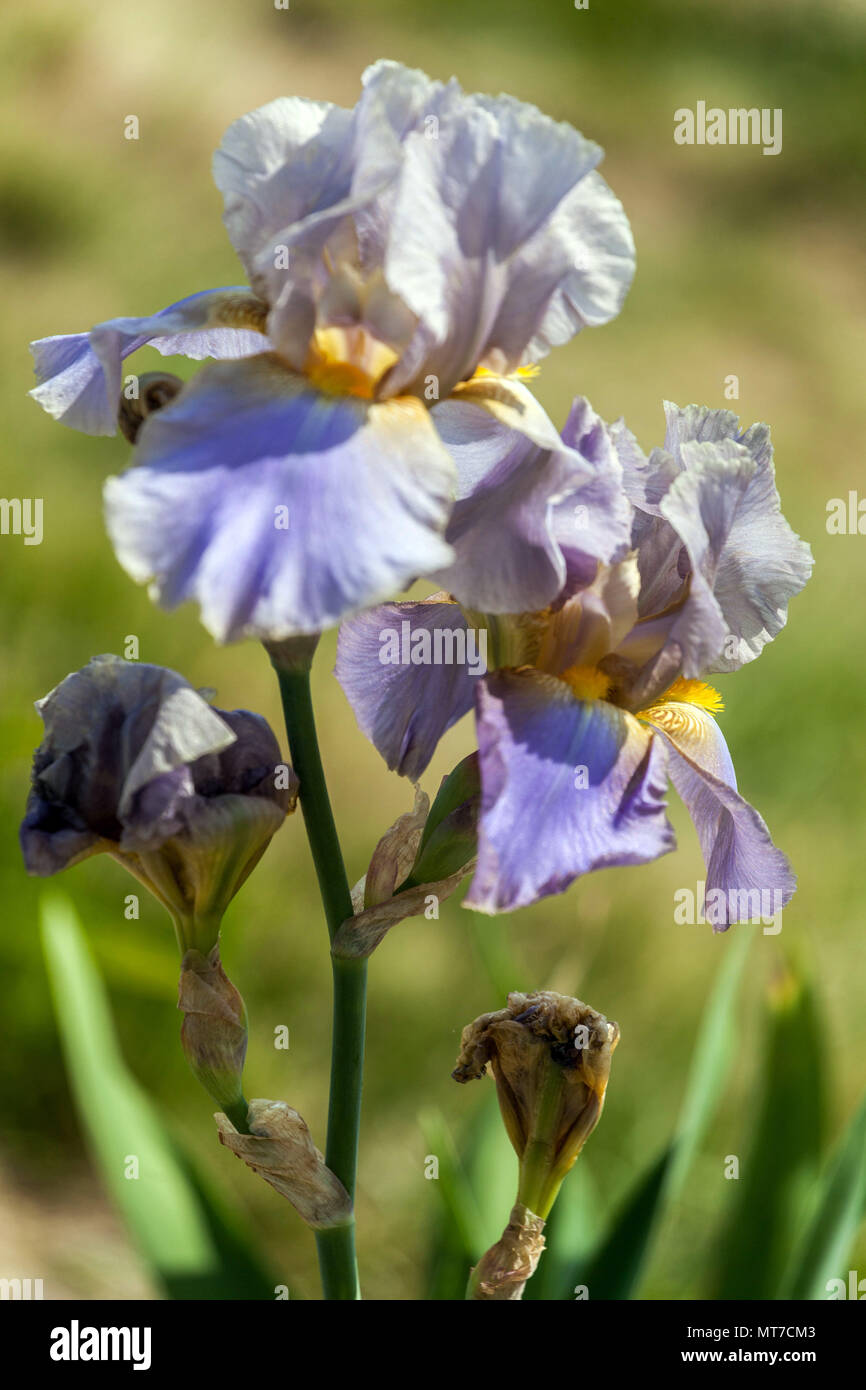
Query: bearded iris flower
column 366, row 422
column 591, row 704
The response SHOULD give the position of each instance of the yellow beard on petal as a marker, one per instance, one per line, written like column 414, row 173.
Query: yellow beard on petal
column 526, row 373
column 693, row 692
column 347, row 361
column 671, row 712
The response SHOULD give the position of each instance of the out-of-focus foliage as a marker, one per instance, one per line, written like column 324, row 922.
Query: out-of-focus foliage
column 747, row 266
column 184, row 1237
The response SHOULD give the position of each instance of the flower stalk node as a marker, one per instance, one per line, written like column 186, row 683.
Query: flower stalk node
column 396, row 885
column 504, row 1270
column 280, row 1148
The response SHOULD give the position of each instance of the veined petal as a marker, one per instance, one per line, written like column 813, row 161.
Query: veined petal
column 504, row 242
column 592, row 621
column 481, row 222
column 404, row 706
column 590, row 290
column 568, row 786
column 504, row 525
column 678, row 554
column 594, row 523
column 279, row 509
column 712, row 488
column 697, row 424
column 277, row 166
column 748, row 874
column 306, row 200
column 79, row 374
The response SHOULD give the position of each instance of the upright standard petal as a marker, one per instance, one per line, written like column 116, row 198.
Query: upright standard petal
column 594, row 523
column 457, row 230
column 279, row 509
column 305, row 187
column 79, row 374
column 747, row 876
column 712, row 491
column 403, row 698
column 277, row 166
column 568, row 786
column 503, row 242
column 679, row 554
column 514, row 470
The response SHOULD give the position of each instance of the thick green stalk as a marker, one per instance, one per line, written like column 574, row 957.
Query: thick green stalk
column 336, row 1246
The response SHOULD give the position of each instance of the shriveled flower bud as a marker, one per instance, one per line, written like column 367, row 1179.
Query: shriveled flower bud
column 394, row 855
column 402, row 877
column 280, row 1147
column 135, row 763
column 550, row 1057
column 214, row 1029
column 155, row 390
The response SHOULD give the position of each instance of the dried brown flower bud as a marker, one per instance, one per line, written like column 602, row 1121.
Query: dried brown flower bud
column 550, row 1057
column 379, row 900
column 546, row 1051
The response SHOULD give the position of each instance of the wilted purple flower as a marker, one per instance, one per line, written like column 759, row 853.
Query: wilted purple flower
column 407, row 258
column 591, row 704
column 137, row 764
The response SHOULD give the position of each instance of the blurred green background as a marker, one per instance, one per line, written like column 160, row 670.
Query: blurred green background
column 747, row 265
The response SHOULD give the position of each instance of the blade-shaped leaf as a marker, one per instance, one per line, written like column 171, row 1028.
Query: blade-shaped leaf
column 191, row 1247
column 489, row 936
column 840, row 1206
column 714, row 1050
column 458, row 1230
column 782, row 1161
column 615, row 1269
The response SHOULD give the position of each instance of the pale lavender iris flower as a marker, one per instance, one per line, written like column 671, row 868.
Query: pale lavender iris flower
column 591, row 704
column 408, row 259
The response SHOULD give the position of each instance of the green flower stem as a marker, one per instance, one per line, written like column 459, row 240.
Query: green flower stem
column 336, row 1246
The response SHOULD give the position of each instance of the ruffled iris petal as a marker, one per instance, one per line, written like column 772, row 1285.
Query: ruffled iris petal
column 485, row 220
column 79, row 374
column 534, row 509
column 279, row 509
column 594, row 522
column 504, row 241
column 708, row 505
column 404, row 709
column 568, row 786
column 507, row 557
column 742, row 863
